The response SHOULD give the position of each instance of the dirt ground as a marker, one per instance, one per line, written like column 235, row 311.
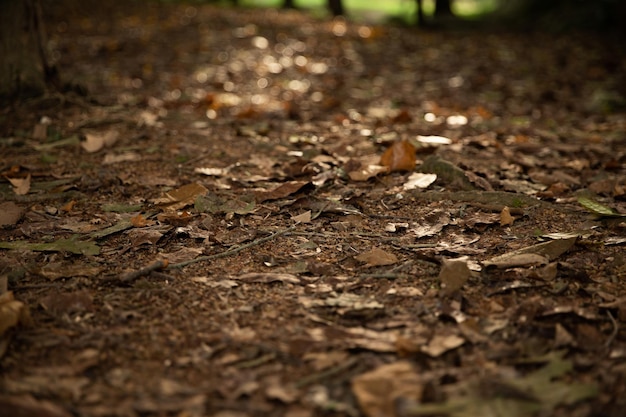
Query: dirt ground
column 250, row 213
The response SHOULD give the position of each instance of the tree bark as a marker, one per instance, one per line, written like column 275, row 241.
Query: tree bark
column 25, row 69
column 336, row 7
column 443, row 8
column 421, row 21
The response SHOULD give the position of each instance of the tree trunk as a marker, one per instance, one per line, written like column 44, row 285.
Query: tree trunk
column 421, row 21
column 443, row 8
column 25, row 70
column 336, row 7
column 289, row 4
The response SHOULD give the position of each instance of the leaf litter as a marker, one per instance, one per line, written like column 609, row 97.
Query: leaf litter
column 324, row 218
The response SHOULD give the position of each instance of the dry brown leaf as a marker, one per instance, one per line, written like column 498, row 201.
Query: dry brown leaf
column 95, row 141
column 56, row 270
column 378, row 391
column 505, row 217
column 12, row 312
column 377, row 257
column 281, row 191
column 365, row 173
column 68, row 302
column 454, row 273
column 140, row 221
column 304, row 217
column 21, row 186
column 27, row 405
column 441, row 344
column 67, row 207
column 267, row 277
column 181, row 197
column 10, row 213
column 399, row 157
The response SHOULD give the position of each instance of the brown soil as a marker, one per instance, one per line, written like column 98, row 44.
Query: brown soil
column 236, row 253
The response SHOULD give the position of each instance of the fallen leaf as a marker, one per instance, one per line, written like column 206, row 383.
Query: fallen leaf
column 181, row 197
column 140, row 221
column 212, row 172
column 419, row 180
column 281, row 191
column 10, row 213
column 434, row 140
column 56, row 270
column 378, row 391
column 144, row 236
column 129, row 156
column 60, row 303
column 540, row 253
column 597, row 208
column 95, row 141
column 367, row 172
column 267, row 277
column 377, row 257
column 505, row 217
column 21, row 186
column 453, row 275
column 27, row 405
column 71, row 245
column 216, row 204
column 441, row 344
column 12, row 312
column 282, row 392
column 303, row 217
column 399, row 157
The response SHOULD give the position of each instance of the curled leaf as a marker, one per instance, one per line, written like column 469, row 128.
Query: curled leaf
column 399, row 157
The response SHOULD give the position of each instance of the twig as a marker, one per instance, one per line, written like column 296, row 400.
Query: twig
column 326, row 374
column 388, row 275
column 615, row 330
column 253, row 363
column 132, row 276
column 234, row 250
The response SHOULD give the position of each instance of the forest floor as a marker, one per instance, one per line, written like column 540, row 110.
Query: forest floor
column 255, row 213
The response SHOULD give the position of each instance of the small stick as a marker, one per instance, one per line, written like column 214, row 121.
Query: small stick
column 132, row 276
column 234, row 250
column 308, row 380
column 615, row 330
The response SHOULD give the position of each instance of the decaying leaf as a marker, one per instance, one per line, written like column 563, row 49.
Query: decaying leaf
column 95, row 141
column 597, row 208
column 454, row 273
column 304, row 217
column 140, row 221
column 505, row 217
column 128, row 156
column 378, row 391
column 441, row 344
column 72, row 245
column 212, row 172
column 377, row 257
column 12, row 312
column 419, row 180
column 281, row 191
column 10, row 213
column 59, row 303
column 56, row 270
column 499, row 396
column 399, row 157
column 434, row 140
column 268, row 277
column 345, row 303
column 21, row 186
column 181, row 197
column 536, row 254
